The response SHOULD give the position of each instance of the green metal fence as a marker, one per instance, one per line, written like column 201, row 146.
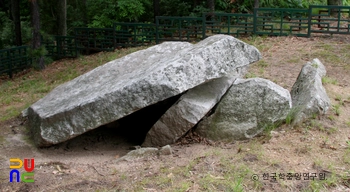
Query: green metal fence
column 61, row 47
column 14, row 60
column 263, row 21
column 179, row 29
column 134, row 34
column 235, row 24
column 95, row 39
column 281, row 22
column 329, row 19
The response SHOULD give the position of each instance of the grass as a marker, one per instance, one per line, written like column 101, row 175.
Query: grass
column 329, row 80
column 291, row 115
column 336, row 109
column 251, row 75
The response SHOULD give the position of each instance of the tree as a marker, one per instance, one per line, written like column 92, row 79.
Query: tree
column 62, row 17
column 211, row 6
column 84, row 10
column 334, row 12
column 34, row 7
column 155, row 9
column 17, row 21
column 334, row 2
column 256, row 3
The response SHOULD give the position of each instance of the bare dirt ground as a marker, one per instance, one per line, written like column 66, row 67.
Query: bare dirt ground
column 321, row 145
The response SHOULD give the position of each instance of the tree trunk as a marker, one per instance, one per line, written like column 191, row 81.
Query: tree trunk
column 34, row 7
column 16, row 21
column 256, row 3
column 334, row 12
column 155, row 9
column 211, row 6
column 195, row 3
column 62, row 17
column 334, row 2
column 84, row 10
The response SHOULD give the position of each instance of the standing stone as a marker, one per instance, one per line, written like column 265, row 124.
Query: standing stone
column 128, row 84
column 189, row 110
column 249, row 106
column 308, row 95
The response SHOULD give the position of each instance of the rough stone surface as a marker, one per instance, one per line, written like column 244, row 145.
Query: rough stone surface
column 133, row 82
column 248, row 107
column 188, row 111
column 166, row 150
column 24, row 113
column 308, row 95
column 146, row 152
column 139, row 153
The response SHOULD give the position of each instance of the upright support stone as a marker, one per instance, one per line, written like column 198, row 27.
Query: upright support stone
column 308, row 94
column 249, row 106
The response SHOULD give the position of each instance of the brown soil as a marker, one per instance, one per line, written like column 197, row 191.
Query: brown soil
column 90, row 162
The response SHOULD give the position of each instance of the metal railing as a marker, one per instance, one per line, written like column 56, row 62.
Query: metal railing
column 329, row 19
column 14, row 60
column 263, row 21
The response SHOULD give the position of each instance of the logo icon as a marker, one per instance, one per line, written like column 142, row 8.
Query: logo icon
column 28, row 176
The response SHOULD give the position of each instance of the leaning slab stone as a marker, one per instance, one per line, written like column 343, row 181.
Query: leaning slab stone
column 125, row 85
column 308, row 95
column 248, row 107
column 188, row 111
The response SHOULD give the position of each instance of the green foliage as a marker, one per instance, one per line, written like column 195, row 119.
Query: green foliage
column 199, row 10
column 224, row 5
column 313, row 2
column 6, row 31
column 104, row 13
column 281, row 3
column 130, row 9
column 243, row 6
column 174, row 8
column 26, row 30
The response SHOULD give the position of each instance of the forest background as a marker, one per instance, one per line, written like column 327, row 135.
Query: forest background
column 22, row 22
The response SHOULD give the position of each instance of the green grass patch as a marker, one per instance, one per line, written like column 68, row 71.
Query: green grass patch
column 251, row 75
column 336, row 109
column 262, row 64
column 319, row 184
column 329, row 80
column 348, row 123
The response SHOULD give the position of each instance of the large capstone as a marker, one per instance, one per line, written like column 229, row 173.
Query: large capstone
column 123, row 86
column 249, row 107
column 308, row 95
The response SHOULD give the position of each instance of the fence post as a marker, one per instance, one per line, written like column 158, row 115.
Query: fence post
column 114, row 36
column 204, row 27
column 255, row 14
column 309, row 22
column 10, row 72
column 157, row 32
